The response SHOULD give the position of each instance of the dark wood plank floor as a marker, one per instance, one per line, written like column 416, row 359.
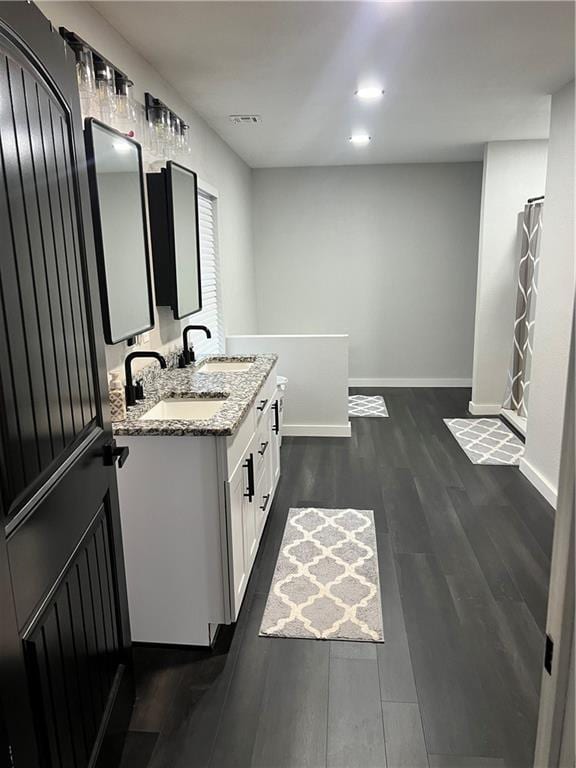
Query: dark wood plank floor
column 464, row 554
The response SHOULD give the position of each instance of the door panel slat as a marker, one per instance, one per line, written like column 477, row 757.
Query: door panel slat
column 86, row 680
column 61, row 222
column 18, row 327
column 46, row 701
column 74, row 276
column 89, row 617
column 81, row 704
column 48, row 408
column 80, row 303
column 53, row 330
column 53, row 271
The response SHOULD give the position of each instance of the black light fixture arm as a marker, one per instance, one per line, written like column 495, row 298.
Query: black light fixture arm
column 188, row 355
column 130, row 388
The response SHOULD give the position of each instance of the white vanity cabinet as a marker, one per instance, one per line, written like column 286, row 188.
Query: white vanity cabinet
column 249, row 489
column 193, row 509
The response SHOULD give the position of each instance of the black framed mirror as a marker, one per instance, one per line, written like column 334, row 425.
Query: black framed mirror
column 173, row 203
column 116, row 179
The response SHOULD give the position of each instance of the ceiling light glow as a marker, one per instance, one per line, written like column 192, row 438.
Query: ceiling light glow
column 369, row 94
column 122, row 146
column 360, row 139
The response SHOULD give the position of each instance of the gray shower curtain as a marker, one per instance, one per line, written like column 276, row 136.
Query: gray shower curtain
column 518, row 385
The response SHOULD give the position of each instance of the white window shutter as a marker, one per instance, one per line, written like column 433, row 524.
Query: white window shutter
column 211, row 312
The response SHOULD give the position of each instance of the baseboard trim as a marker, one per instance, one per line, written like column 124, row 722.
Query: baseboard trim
column 484, row 409
column 317, row 430
column 539, row 482
column 513, row 420
column 409, row 382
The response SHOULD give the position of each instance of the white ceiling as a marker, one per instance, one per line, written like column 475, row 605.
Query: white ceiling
column 456, row 74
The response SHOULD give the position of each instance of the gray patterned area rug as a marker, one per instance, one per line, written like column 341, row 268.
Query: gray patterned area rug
column 372, row 406
column 326, row 583
column 487, row 441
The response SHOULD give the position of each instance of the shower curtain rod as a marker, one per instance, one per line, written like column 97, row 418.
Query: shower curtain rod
column 535, row 199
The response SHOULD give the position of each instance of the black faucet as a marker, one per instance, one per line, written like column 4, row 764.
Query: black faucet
column 130, row 389
column 188, row 355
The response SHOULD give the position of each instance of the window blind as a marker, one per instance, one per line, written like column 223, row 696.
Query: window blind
column 211, row 312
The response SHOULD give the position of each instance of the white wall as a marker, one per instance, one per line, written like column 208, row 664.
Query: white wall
column 513, row 172
column 541, row 461
column 316, row 402
column 384, row 253
column 211, row 158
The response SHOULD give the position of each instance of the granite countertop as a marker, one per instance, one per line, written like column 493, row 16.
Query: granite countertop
column 239, row 389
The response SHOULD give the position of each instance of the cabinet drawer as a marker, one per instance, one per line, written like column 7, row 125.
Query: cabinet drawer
column 237, row 444
column 262, row 446
column 263, row 497
column 265, row 396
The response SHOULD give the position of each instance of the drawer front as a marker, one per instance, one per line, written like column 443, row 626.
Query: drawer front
column 262, row 446
column 263, row 497
column 265, row 396
column 237, row 444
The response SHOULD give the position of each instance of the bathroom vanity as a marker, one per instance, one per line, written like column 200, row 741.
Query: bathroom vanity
column 195, row 494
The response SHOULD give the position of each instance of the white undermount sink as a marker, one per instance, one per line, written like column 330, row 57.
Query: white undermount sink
column 184, row 409
column 225, row 366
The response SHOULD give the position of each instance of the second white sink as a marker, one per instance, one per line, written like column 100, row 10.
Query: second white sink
column 225, row 366
column 184, row 409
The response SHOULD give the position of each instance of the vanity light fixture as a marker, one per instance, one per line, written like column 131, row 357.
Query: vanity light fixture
column 360, row 139
column 170, row 132
column 105, row 91
column 371, row 93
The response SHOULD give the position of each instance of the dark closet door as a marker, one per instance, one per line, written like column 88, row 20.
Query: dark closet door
column 65, row 671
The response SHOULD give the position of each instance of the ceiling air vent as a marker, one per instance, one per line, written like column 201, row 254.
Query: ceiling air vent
column 245, row 119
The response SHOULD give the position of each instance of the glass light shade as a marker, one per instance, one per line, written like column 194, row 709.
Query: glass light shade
column 105, row 95
column 86, row 80
column 125, row 113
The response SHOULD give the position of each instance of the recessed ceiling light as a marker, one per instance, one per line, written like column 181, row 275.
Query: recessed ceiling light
column 360, row 139
column 369, row 94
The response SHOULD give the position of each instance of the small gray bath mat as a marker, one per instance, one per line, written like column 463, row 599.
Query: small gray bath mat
column 367, row 405
column 486, row 441
column 326, row 584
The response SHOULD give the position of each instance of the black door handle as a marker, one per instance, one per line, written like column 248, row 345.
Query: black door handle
column 276, row 425
column 263, row 447
column 249, row 465
column 265, row 499
column 262, row 405
column 113, row 453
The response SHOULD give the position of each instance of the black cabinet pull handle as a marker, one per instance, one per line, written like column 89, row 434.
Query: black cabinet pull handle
column 276, row 425
column 113, row 453
column 249, row 465
column 265, row 499
column 263, row 447
column 262, row 405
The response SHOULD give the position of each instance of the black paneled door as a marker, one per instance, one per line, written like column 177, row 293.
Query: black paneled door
column 65, row 671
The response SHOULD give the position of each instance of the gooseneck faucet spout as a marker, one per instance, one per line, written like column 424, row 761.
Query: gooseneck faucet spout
column 129, row 388
column 188, row 355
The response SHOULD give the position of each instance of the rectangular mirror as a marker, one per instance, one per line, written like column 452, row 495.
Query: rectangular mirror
column 116, row 179
column 173, row 201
